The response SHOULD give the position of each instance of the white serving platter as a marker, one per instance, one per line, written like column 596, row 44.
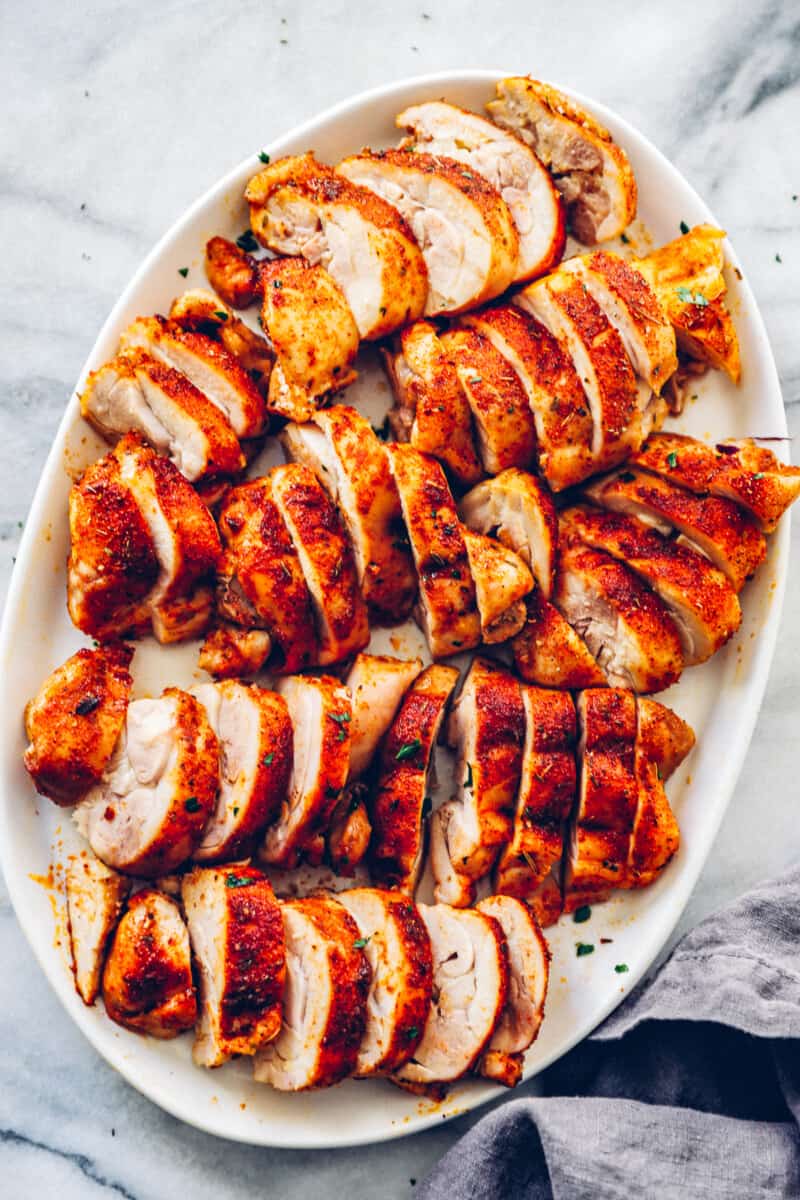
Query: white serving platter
column 720, row 699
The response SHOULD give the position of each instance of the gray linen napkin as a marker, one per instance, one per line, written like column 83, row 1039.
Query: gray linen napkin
column 690, row 1089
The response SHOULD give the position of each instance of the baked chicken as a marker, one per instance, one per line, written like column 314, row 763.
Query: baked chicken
column 548, row 651
column 518, row 510
column 95, row 898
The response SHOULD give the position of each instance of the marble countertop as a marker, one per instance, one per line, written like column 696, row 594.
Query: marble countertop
column 115, row 119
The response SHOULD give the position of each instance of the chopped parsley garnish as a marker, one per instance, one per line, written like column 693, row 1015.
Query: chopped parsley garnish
column 778, row 258
column 623, row 237
column 236, row 810
column 263, row 157
column 687, row 296
column 582, row 914
column 383, row 310
column 268, row 759
column 672, row 460
column 87, row 705
column 233, row 881
column 360, row 943
column 340, row 718
column 408, row 750
column 184, row 271
column 247, row 242
column 584, row 948
column 758, row 475
column 468, row 780
column 192, row 804
column 621, row 968
column 411, row 1032
column 220, row 314
column 684, row 227
column 276, row 283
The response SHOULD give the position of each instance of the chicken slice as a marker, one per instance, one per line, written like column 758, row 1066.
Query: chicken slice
column 321, row 713
column 207, row 364
column 470, row 989
column 399, row 797
column 398, row 950
column 74, row 720
column 326, row 559
column 507, row 164
column 377, row 685
column 147, row 980
column 349, row 831
column 464, row 228
column 504, row 423
column 229, row 651
column 431, row 409
column 589, row 169
column 548, row 651
column 597, row 857
column 502, row 581
column 664, row 736
column 261, row 585
column 135, row 392
column 324, row 1001
column 529, row 973
column 655, row 836
column 300, row 207
column 447, row 609
column 701, row 602
column 518, row 510
column 95, row 899
column 718, row 528
column 148, row 813
column 236, row 931
column 487, row 730
column 741, row 471
column 633, row 308
column 232, row 272
column 200, row 311
column 561, row 413
column 342, row 450
column 529, row 866
column 628, row 630
column 254, row 733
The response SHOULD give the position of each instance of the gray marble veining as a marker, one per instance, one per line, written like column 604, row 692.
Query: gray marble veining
column 115, row 118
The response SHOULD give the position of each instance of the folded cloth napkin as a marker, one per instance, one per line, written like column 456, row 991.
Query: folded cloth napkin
column 690, row 1089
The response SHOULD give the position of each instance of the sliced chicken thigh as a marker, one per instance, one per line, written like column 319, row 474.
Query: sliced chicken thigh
column 324, row 1002
column 548, row 651
column 377, row 684
column 666, row 737
column 95, row 899
column 463, row 226
column 517, row 508
column 507, row 164
column 232, row 272
column 148, row 813
column 236, row 931
column 396, row 943
column 502, row 581
column 200, row 311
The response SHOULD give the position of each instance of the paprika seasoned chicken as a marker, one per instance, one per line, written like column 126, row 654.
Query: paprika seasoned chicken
column 74, row 720
column 147, row 980
column 232, row 272
column 324, row 1000
column 590, row 170
column 463, row 226
column 507, row 164
column 396, row 944
column 95, row 899
column 147, row 814
column 236, row 932
column 548, row 651
column 502, row 581
column 350, row 462
column 201, row 311
column 254, row 733
column 518, row 510
column 301, row 207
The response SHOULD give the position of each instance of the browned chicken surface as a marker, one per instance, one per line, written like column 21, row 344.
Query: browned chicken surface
column 232, row 272
column 517, row 508
column 236, row 932
column 666, row 737
column 502, row 581
column 147, row 980
column 95, row 899
column 548, row 651
column 203, row 312
column 74, row 720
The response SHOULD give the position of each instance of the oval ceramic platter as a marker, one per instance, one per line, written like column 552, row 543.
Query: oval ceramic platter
column 721, row 699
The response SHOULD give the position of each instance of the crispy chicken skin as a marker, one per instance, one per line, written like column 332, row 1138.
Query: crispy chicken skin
column 655, row 836
column 626, row 627
column 95, row 899
column 236, row 931
column 530, row 862
column 548, row 651
column 589, row 169
column 663, row 735
column 148, row 813
column 324, row 1002
column 398, row 950
column 74, row 720
column 518, row 510
column 326, row 560
column 528, row 975
column 207, row 364
column 135, row 392
column 470, row 982
column 254, row 733
column 718, row 528
column 447, row 610
column 507, row 164
column 560, row 407
column 321, row 713
column 504, row 424
column 397, row 805
column 201, row 311
column 741, row 471
column 350, row 462
column 147, row 980
column 463, row 226
column 502, row 581
column 313, row 334
column 431, row 410
column 261, row 585
column 597, row 856
column 301, row 207
column 232, row 273
column 700, row 600
column 486, row 729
